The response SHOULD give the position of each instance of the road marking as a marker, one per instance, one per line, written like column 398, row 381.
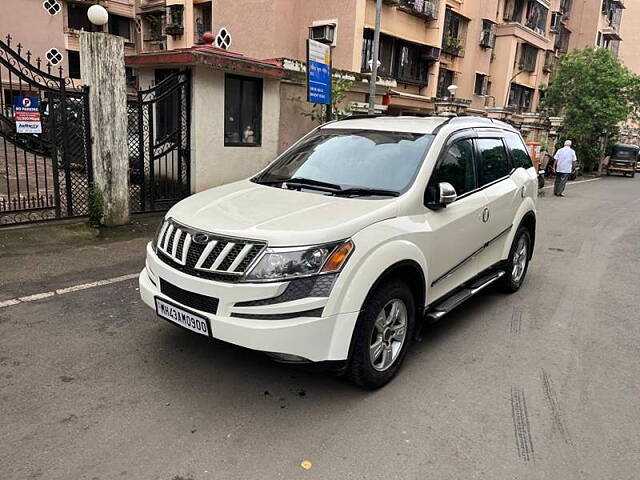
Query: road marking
column 574, row 183
column 63, row 291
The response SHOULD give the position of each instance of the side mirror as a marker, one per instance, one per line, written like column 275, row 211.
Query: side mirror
column 440, row 195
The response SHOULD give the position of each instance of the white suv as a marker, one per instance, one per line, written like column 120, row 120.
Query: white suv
column 336, row 251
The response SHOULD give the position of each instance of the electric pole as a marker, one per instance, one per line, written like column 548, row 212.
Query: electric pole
column 374, row 59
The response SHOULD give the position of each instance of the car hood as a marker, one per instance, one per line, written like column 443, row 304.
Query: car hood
column 279, row 216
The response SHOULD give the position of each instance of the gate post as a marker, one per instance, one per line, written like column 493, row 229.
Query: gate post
column 102, row 69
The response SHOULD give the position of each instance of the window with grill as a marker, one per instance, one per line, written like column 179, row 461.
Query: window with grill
column 561, row 43
column 556, row 18
column 520, row 97
column 528, row 57
column 202, row 20
column 537, row 17
column 242, row 111
column 480, row 86
column 549, row 61
column 445, row 79
column 120, row 26
column 488, row 34
column 455, row 27
column 77, row 18
column 406, row 61
column 514, row 10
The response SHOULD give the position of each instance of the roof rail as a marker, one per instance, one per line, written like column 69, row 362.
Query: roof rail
column 358, row 116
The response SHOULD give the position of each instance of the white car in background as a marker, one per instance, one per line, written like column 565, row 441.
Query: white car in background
column 336, row 251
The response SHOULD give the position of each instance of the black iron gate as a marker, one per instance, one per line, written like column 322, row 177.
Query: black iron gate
column 159, row 143
column 43, row 175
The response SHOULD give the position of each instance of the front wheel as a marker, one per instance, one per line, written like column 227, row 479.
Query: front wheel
column 383, row 333
column 518, row 261
column 540, row 181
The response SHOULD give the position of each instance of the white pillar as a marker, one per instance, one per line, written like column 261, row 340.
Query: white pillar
column 102, row 68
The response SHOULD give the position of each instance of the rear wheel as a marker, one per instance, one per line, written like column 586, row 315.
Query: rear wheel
column 518, row 262
column 383, row 333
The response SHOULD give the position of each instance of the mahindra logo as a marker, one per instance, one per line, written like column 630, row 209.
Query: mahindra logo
column 201, row 238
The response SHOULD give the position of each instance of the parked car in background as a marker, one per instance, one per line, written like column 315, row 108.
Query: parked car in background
column 623, row 159
column 336, row 251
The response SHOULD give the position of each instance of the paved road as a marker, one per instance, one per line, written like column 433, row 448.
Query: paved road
column 543, row 384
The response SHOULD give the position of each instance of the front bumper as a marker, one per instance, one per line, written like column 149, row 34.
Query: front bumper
column 317, row 339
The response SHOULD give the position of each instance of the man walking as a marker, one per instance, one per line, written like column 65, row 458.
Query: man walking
column 565, row 161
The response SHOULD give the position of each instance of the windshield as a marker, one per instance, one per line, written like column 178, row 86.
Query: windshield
column 352, row 159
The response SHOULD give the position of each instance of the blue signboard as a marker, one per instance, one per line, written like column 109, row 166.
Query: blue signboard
column 318, row 73
column 27, row 114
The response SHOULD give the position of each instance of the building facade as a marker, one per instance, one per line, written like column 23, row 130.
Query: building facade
column 498, row 53
column 49, row 29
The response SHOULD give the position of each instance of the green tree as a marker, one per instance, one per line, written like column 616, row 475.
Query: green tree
column 595, row 93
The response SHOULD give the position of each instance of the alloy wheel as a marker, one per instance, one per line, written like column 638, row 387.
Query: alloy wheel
column 389, row 334
column 519, row 262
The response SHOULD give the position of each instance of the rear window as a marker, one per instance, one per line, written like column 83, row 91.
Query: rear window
column 493, row 162
column 624, row 153
column 519, row 152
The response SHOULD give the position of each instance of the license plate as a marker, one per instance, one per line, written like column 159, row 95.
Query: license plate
column 182, row 317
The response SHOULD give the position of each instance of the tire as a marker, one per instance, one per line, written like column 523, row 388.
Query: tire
column 540, row 181
column 365, row 368
column 513, row 278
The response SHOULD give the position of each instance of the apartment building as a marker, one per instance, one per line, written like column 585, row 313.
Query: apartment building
column 596, row 23
column 496, row 52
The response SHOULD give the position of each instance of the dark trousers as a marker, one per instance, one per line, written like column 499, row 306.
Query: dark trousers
column 561, row 182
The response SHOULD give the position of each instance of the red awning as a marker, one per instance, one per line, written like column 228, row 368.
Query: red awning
column 207, row 55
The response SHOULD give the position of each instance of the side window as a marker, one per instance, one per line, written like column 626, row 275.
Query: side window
column 519, row 152
column 456, row 167
column 493, row 162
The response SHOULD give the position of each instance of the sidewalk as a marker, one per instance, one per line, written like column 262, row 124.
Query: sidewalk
column 42, row 257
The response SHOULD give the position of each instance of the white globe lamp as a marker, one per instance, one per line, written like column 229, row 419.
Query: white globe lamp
column 98, row 15
column 452, row 90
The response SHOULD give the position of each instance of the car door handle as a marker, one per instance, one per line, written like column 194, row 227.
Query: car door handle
column 485, row 215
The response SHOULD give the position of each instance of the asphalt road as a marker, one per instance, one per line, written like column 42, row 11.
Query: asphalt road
column 542, row 384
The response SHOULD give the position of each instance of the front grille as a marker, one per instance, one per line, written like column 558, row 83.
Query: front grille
column 204, row 254
column 189, row 299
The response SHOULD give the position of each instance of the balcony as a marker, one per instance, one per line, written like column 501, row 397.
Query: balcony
column 147, row 6
column 529, row 13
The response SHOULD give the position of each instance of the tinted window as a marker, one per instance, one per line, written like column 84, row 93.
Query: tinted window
column 457, row 168
column 493, row 162
column 519, row 152
column 353, row 158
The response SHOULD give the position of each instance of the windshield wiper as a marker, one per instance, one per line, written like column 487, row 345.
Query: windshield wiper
column 366, row 192
column 313, row 184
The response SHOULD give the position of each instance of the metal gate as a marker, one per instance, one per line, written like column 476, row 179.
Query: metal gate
column 159, row 144
column 42, row 175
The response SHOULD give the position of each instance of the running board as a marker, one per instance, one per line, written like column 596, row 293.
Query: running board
column 439, row 310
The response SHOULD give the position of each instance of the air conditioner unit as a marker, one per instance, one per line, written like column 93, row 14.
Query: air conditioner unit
column 430, row 54
column 323, row 33
column 431, row 9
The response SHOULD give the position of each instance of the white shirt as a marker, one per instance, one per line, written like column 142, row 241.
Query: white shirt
column 565, row 157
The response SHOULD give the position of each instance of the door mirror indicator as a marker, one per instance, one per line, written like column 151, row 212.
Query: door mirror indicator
column 440, row 196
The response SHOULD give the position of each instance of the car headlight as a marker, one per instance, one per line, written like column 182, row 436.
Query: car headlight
column 279, row 264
